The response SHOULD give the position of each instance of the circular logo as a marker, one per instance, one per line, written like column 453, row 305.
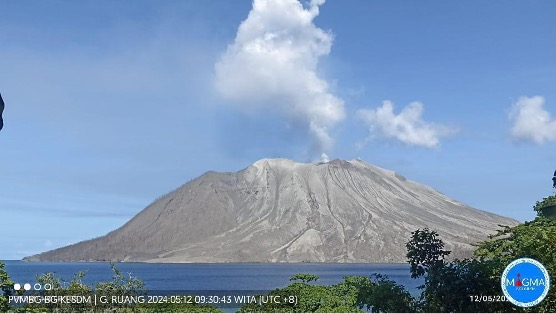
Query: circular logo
column 525, row 282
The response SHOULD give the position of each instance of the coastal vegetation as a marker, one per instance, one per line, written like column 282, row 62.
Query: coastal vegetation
column 6, row 286
column 546, row 202
column 126, row 289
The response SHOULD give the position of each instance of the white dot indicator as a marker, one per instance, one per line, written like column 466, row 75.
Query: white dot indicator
column 17, row 287
column 27, row 286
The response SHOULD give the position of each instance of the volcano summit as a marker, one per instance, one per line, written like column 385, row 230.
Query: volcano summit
column 278, row 210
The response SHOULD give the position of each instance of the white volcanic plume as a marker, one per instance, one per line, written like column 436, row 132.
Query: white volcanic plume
column 272, row 64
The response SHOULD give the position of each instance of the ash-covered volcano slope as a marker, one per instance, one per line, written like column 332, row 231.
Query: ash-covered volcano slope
column 278, row 210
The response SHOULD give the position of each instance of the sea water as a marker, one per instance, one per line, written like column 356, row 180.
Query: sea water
column 158, row 277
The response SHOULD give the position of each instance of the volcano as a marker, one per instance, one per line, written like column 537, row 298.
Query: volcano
column 278, row 210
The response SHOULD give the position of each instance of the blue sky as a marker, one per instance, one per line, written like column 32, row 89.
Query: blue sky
column 110, row 104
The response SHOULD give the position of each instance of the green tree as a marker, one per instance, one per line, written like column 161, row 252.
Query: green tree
column 425, row 252
column 534, row 239
column 455, row 286
column 450, row 286
column 308, row 298
column 379, row 294
column 121, row 286
column 75, row 287
column 547, row 201
column 6, row 286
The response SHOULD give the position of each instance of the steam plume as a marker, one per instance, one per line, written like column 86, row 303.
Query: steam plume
column 272, row 64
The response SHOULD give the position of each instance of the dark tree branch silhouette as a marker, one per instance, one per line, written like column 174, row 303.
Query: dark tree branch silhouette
column 1, row 110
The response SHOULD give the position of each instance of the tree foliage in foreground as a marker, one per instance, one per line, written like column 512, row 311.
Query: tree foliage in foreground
column 356, row 293
column 547, row 201
column 338, row 298
column 533, row 239
column 5, row 288
column 455, row 286
column 120, row 286
column 448, row 286
column 379, row 294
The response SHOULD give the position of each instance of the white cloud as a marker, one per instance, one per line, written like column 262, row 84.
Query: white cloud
column 407, row 127
column 272, row 64
column 531, row 123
